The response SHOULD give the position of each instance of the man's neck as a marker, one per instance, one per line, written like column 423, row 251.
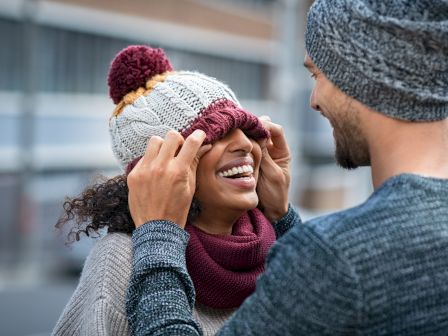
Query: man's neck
column 399, row 147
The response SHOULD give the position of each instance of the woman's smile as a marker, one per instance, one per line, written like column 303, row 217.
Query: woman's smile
column 227, row 177
column 239, row 173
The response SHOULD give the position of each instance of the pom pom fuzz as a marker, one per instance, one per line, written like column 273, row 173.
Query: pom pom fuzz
column 133, row 67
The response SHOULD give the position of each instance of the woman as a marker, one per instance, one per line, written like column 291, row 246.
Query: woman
column 229, row 236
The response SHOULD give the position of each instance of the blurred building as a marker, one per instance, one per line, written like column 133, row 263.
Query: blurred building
column 54, row 135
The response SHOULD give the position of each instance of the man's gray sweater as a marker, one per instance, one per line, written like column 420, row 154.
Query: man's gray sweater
column 377, row 269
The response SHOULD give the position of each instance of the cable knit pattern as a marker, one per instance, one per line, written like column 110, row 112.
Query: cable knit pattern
column 182, row 100
column 97, row 306
column 377, row 269
column 215, row 120
column 390, row 55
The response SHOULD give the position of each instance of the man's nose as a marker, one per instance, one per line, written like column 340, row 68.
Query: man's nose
column 313, row 101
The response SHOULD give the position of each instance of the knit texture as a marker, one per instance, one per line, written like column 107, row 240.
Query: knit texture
column 153, row 100
column 97, row 306
column 389, row 55
column 132, row 68
column 223, row 115
column 216, row 120
column 159, row 253
column 224, row 268
column 377, row 269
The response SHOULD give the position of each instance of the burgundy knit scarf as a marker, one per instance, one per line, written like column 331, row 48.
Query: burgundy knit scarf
column 224, row 268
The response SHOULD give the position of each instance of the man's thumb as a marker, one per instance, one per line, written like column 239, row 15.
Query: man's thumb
column 204, row 149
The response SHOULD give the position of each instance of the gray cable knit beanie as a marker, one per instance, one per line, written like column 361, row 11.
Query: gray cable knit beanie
column 391, row 55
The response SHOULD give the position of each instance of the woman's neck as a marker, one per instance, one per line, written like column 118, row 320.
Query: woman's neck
column 217, row 221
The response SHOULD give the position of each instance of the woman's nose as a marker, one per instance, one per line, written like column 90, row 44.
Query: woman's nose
column 240, row 141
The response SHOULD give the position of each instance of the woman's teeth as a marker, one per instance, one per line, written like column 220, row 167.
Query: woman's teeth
column 236, row 171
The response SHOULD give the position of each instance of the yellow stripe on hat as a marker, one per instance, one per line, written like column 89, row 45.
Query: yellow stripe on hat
column 132, row 96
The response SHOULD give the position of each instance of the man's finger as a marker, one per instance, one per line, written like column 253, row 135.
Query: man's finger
column 263, row 143
column 204, row 149
column 173, row 140
column 152, row 150
column 194, row 164
column 277, row 136
column 267, row 164
column 265, row 121
column 190, row 149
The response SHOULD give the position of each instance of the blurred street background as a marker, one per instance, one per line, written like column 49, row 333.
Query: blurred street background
column 54, row 110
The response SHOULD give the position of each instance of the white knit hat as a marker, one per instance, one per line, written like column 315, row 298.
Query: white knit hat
column 152, row 99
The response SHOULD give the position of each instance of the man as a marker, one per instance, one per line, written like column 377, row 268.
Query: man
column 381, row 79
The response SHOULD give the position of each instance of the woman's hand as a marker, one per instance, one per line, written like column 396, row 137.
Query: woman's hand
column 163, row 182
column 275, row 176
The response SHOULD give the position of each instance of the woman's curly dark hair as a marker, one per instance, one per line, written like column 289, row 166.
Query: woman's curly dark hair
column 103, row 205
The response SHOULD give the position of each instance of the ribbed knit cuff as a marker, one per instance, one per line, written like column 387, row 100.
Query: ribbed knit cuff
column 285, row 223
column 161, row 294
column 160, row 242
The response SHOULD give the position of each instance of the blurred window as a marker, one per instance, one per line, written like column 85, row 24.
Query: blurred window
column 11, row 55
column 75, row 62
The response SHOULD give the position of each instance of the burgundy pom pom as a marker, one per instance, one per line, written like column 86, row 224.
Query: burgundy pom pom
column 133, row 67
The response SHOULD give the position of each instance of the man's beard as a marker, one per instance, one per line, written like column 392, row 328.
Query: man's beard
column 351, row 147
column 346, row 158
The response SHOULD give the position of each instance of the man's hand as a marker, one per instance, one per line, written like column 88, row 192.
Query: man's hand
column 162, row 184
column 273, row 183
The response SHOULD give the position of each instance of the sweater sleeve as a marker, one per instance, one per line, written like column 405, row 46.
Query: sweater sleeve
column 161, row 295
column 285, row 223
column 307, row 289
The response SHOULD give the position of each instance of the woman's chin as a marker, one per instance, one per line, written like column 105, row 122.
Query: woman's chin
column 246, row 204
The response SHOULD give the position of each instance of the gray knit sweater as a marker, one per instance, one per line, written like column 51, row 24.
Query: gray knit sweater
column 378, row 269
column 97, row 306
